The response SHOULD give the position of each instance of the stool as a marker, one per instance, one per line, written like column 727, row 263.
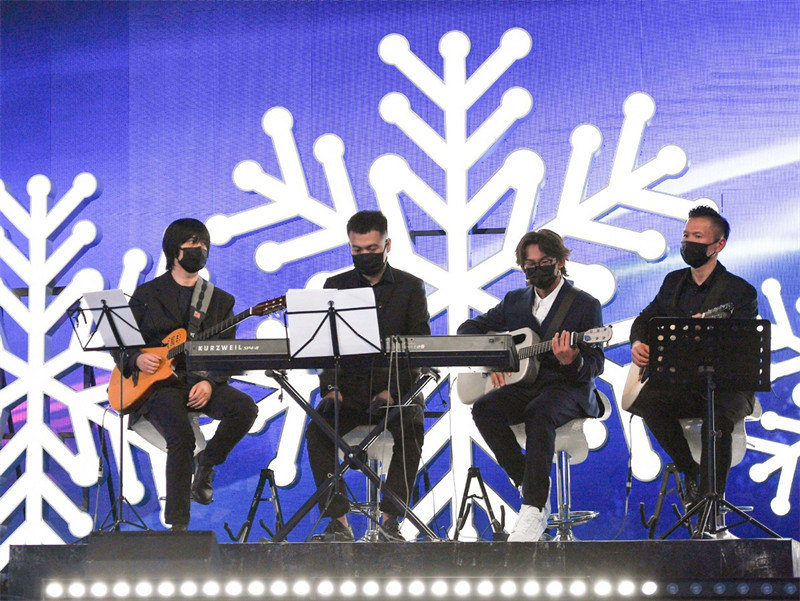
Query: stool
column 148, row 432
column 571, row 447
column 379, row 453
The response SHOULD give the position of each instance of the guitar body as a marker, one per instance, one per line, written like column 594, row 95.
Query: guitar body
column 471, row 385
column 637, row 378
column 136, row 389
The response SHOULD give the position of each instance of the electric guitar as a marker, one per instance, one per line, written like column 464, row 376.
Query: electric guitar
column 637, row 376
column 471, row 386
column 127, row 394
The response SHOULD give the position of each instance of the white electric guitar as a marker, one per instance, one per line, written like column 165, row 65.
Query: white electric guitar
column 472, row 385
column 637, row 376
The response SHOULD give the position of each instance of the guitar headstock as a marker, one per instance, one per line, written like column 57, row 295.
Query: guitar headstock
column 269, row 306
column 597, row 335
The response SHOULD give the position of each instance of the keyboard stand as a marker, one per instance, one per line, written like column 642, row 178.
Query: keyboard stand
column 354, row 456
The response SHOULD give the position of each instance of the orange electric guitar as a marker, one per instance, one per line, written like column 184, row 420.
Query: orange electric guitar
column 127, row 394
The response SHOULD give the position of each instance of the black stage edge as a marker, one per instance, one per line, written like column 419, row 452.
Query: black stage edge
column 178, row 556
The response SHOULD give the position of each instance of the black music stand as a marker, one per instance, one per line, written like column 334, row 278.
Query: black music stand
column 119, row 333
column 725, row 354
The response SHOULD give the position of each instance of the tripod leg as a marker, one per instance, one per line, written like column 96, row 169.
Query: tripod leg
column 748, row 518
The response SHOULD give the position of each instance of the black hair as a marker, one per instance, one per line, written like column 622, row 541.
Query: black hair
column 718, row 222
column 365, row 222
column 180, row 231
column 550, row 243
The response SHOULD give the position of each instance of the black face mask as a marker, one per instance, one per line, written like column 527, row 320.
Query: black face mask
column 194, row 259
column 694, row 253
column 369, row 264
column 542, row 276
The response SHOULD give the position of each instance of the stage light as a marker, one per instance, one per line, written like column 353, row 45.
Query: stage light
column 649, row 588
column 143, row 589
column 439, row 588
column 76, row 589
column 98, row 589
column 767, row 588
column 462, row 588
column 121, row 589
column 531, row 588
column 790, row 588
column 554, row 588
column 188, row 588
column 279, row 588
column 416, row 588
column 325, row 588
column 742, row 588
column 695, row 588
column 233, row 588
column 301, row 588
column 54, row 590
column 577, row 588
column 485, row 588
column 672, row 588
column 371, row 588
column 256, row 588
column 508, row 588
column 394, row 588
column 166, row 589
column 348, row 588
column 211, row 588
column 602, row 588
column 626, row 588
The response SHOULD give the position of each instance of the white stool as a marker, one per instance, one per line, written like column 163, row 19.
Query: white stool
column 571, row 447
column 148, row 431
column 379, row 453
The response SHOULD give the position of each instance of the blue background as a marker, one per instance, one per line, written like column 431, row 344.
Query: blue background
column 161, row 100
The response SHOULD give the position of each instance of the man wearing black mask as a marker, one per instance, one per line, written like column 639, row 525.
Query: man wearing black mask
column 564, row 387
column 705, row 284
column 362, row 394
column 160, row 307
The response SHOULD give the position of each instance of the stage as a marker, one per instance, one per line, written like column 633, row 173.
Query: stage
column 162, row 564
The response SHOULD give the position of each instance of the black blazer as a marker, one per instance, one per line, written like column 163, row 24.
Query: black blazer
column 666, row 303
column 402, row 309
column 157, row 311
column 516, row 311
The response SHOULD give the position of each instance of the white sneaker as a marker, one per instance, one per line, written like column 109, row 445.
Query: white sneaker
column 530, row 525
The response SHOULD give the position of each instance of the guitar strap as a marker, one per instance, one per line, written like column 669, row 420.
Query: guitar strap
column 201, row 299
column 561, row 313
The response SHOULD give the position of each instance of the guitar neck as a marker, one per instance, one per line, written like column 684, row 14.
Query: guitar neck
column 539, row 348
column 212, row 331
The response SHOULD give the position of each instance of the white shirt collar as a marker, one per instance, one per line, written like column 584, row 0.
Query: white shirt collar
column 542, row 306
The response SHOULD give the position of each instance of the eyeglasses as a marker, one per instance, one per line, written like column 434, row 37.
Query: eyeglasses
column 546, row 262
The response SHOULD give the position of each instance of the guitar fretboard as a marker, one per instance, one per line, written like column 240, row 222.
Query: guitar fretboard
column 212, row 331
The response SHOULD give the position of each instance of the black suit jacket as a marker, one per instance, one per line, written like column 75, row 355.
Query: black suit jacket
column 158, row 312
column 666, row 303
column 516, row 311
column 402, row 309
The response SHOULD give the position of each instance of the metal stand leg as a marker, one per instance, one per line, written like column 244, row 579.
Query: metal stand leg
column 466, row 505
column 566, row 517
column 266, row 476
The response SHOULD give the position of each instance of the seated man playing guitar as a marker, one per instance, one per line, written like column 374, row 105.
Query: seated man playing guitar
column 564, row 387
column 160, row 307
column 688, row 293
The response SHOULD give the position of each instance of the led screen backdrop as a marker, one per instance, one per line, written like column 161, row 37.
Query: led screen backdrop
column 467, row 123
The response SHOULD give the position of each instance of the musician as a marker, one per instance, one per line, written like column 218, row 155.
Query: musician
column 564, row 387
column 703, row 285
column 363, row 393
column 160, row 307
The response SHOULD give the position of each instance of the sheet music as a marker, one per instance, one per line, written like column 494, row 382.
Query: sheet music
column 121, row 314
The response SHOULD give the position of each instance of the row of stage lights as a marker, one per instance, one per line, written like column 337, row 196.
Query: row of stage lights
column 416, row 588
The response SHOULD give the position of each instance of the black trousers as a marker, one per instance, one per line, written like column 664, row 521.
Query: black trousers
column 166, row 409
column 542, row 412
column 661, row 410
column 408, row 432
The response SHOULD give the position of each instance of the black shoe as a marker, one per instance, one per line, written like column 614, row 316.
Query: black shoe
column 335, row 532
column 389, row 531
column 179, row 528
column 202, row 491
column 691, row 492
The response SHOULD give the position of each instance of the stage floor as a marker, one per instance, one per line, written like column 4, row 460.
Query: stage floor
column 178, row 556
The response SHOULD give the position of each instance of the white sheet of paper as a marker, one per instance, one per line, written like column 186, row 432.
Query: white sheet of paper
column 303, row 326
column 122, row 316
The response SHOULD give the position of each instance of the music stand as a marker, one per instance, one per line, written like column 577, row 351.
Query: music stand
column 731, row 355
column 119, row 333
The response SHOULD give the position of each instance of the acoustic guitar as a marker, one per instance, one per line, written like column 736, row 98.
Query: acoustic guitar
column 637, row 376
column 471, row 386
column 127, row 394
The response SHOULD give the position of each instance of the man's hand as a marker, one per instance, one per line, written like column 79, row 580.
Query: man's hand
column 148, row 363
column 384, row 398
column 333, row 395
column 640, row 353
column 498, row 378
column 199, row 395
column 562, row 350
